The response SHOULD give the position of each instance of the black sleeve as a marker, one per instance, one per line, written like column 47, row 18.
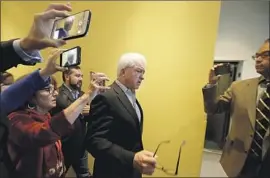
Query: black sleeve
column 98, row 131
column 9, row 58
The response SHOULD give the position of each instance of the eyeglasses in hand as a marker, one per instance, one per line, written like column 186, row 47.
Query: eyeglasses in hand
column 162, row 168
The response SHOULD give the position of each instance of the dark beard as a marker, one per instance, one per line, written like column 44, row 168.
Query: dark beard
column 75, row 87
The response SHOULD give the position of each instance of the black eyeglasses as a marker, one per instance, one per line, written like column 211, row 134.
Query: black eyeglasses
column 50, row 90
column 162, row 168
column 263, row 55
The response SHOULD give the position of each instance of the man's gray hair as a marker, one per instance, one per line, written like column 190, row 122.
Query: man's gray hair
column 130, row 60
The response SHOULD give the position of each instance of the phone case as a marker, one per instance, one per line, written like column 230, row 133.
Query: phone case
column 78, row 56
column 224, row 69
column 86, row 29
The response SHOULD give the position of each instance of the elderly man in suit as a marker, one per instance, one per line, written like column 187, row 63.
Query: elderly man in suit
column 248, row 103
column 114, row 135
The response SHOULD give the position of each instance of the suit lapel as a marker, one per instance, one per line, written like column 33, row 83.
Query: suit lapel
column 68, row 93
column 251, row 92
column 141, row 111
column 126, row 103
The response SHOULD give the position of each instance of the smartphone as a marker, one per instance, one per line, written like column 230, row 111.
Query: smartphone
column 71, row 57
column 223, row 69
column 74, row 26
column 102, row 83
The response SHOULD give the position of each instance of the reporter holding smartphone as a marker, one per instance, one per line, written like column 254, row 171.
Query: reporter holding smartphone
column 34, row 143
column 248, row 102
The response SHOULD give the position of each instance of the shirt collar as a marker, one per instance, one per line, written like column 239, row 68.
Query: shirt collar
column 262, row 79
column 72, row 91
column 123, row 87
column 263, row 82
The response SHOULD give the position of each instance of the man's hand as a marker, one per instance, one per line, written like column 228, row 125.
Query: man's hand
column 40, row 32
column 145, row 162
column 213, row 78
column 51, row 66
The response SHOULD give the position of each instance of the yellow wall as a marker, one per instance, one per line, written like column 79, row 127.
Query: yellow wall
column 177, row 39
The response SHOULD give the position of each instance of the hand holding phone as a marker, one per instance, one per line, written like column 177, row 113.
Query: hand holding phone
column 71, row 57
column 218, row 70
column 223, row 69
column 98, row 81
column 74, row 26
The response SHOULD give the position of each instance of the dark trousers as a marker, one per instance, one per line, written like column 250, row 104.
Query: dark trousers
column 80, row 166
column 255, row 167
column 252, row 167
column 265, row 167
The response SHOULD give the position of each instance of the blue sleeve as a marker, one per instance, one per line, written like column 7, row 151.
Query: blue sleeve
column 21, row 91
column 29, row 57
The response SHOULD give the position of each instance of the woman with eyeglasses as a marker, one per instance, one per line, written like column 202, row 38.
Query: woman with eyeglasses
column 34, row 144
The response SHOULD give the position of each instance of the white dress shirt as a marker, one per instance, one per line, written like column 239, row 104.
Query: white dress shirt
column 131, row 97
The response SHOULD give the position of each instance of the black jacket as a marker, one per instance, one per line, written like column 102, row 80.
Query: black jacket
column 114, row 134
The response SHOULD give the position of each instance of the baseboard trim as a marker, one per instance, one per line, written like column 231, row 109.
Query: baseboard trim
column 212, row 151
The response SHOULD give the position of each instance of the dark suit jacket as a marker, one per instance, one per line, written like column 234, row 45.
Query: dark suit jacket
column 114, row 135
column 72, row 143
column 9, row 58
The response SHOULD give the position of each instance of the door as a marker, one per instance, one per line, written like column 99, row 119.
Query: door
column 218, row 124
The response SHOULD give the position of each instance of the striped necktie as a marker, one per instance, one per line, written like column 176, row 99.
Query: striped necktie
column 262, row 121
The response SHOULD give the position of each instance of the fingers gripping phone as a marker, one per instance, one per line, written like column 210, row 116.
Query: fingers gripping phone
column 71, row 57
column 223, row 69
column 74, row 26
column 101, row 83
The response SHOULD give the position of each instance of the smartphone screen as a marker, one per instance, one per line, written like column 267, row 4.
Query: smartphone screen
column 74, row 26
column 71, row 57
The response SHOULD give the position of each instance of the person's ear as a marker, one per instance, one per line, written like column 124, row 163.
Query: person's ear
column 32, row 104
column 66, row 77
column 122, row 72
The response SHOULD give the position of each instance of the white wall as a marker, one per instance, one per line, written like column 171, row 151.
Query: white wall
column 243, row 27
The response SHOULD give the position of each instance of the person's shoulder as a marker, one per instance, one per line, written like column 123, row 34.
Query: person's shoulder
column 245, row 81
column 241, row 84
column 62, row 88
column 18, row 114
column 107, row 96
